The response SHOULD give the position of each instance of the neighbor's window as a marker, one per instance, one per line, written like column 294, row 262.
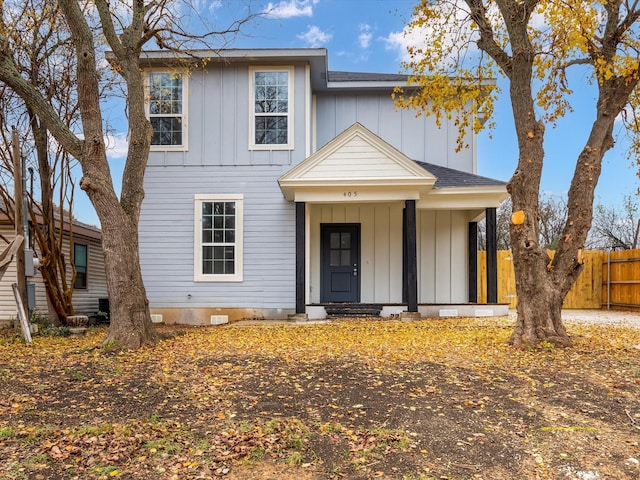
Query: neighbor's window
column 80, row 260
column 272, row 108
column 218, row 238
column 167, row 109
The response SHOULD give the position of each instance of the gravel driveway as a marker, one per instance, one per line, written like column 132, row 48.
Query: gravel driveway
column 604, row 317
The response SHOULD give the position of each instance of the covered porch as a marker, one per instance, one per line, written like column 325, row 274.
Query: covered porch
column 375, row 227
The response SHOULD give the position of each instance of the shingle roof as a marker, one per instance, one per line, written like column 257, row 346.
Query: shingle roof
column 365, row 77
column 448, row 177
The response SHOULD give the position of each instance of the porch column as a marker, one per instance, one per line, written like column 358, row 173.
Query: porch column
column 473, row 262
column 492, row 256
column 411, row 259
column 300, row 257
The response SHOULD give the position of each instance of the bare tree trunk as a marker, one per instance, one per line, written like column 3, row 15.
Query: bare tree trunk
column 130, row 325
column 539, row 302
column 128, row 300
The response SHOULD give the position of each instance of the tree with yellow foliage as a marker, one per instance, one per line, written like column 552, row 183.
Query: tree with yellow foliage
column 533, row 44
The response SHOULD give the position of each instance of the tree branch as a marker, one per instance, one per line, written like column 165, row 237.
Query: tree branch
column 10, row 75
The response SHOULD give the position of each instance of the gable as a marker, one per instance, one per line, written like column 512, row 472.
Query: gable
column 360, row 160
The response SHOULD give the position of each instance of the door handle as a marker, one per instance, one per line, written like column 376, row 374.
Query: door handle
column 355, row 270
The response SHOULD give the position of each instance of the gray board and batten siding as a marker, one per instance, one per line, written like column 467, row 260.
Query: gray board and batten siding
column 417, row 137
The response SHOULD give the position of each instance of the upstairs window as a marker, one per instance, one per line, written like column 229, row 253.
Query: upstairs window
column 80, row 260
column 271, row 110
column 167, row 109
column 218, row 238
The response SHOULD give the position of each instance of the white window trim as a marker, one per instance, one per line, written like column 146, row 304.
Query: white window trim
column 252, row 122
column 185, row 116
column 198, row 276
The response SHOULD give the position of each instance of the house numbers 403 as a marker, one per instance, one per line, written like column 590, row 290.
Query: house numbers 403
column 350, row 194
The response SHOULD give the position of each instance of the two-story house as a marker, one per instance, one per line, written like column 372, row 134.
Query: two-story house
column 275, row 187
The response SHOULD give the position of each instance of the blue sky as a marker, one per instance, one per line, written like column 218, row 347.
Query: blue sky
column 366, row 36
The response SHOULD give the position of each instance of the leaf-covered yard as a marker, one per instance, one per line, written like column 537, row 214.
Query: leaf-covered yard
column 429, row 399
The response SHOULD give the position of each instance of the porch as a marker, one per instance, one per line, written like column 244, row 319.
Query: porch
column 373, row 226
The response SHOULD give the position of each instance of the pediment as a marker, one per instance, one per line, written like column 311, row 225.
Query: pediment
column 357, row 157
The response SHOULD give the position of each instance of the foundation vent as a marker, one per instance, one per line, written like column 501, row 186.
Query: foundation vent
column 484, row 312
column 448, row 312
column 156, row 317
column 219, row 319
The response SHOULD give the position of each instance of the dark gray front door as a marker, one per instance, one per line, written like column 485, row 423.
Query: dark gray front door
column 340, row 262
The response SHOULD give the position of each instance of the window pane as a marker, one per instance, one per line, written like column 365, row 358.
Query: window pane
column 165, row 92
column 80, row 255
column 345, row 240
column 218, row 268
column 166, row 130
column 165, row 108
column 334, row 258
column 345, row 257
column 229, row 267
column 80, row 262
column 334, row 240
column 207, row 267
column 271, row 130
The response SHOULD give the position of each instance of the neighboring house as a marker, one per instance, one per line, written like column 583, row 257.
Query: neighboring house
column 277, row 187
column 91, row 280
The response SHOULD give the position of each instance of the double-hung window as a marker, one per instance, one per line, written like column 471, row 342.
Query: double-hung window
column 271, row 108
column 166, row 109
column 80, row 260
column 218, row 238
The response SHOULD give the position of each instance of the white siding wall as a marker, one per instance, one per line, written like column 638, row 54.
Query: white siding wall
column 417, row 137
column 442, row 256
column 85, row 301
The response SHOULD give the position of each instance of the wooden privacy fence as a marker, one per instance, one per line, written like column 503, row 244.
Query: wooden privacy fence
column 621, row 279
column 589, row 291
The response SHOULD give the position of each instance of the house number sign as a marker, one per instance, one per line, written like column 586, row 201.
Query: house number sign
column 350, row 194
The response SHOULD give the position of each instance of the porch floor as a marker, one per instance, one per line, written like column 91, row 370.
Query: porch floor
column 318, row 311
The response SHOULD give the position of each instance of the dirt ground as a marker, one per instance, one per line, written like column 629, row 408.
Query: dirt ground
column 429, row 399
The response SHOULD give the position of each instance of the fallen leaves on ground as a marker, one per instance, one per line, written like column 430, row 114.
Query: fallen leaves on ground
column 429, row 399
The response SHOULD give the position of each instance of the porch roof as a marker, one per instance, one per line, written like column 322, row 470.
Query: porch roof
column 359, row 166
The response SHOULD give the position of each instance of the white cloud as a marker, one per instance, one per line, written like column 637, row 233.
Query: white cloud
column 290, row 8
column 365, row 35
column 207, row 5
column 456, row 27
column 401, row 41
column 314, row 37
column 116, row 145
